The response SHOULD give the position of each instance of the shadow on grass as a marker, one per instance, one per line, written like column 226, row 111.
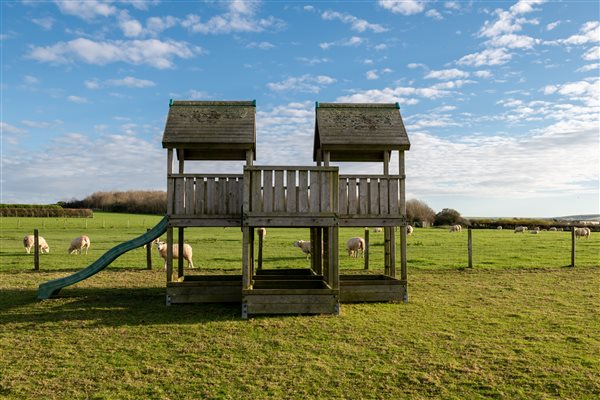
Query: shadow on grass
column 108, row 307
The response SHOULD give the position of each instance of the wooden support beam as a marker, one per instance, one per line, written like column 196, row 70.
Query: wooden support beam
column 386, row 249
column 334, row 257
column 246, row 272
column 249, row 158
column 393, row 251
column 319, row 250
column 326, row 159
column 386, row 163
column 366, row 253
column 573, row 246
column 260, row 248
column 326, row 253
column 470, row 247
column 149, row 253
column 180, row 239
column 251, row 248
column 169, row 259
column 36, row 250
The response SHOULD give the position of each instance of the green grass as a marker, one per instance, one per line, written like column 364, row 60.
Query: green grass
column 519, row 325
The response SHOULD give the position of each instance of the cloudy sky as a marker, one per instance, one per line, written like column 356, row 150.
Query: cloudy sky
column 501, row 100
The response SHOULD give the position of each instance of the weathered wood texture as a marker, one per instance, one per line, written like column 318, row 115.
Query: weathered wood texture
column 211, row 130
column 374, row 196
column 201, row 195
column 358, row 132
column 206, row 289
column 370, row 288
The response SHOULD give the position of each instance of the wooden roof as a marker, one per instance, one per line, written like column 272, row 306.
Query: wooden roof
column 211, row 130
column 358, row 132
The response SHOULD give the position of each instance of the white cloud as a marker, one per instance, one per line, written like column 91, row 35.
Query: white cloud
column 240, row 17
column 404, row 7
column 305, row 83
column 586, row 91
column 8, row 128
column 372, row 74
column 512, row 41
column 260, row 45
column 313, row 60
column 592, row 54
column 130, row 27
column 446, row 74
column 156, row 25
column 434, row 14
column 552, row 25
column 357, row 24
column 416, row 65
column 588, row 33
column 86, row 10
column 77, row 99
column 10, row 134
column 486, row 57
column 452, row 5
column 483, row 74
column 589, row 67
column 31, row 80
column 351, row 42
column 153, row 52
column 400, row 94
column 41, row 124
column 46, row 23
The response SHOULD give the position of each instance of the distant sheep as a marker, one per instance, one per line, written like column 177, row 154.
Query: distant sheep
column 187, row 252
column 28, row 242
column 304, row 246
column 409, row 229
column 553, row 229
column 520, row 229
column 354, row 246
column 582, row 232
column 499, row 227
column 455, row 228
column 377, row 230
column 262, row 232
column 534, row 231
column 78, row 244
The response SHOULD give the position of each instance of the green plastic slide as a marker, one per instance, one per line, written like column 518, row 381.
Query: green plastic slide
column 51, row 288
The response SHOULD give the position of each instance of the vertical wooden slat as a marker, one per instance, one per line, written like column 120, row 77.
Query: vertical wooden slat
column 231, row 196
column 180, row 239
column 257, row 202
column 386, row 163
column 149, row 253
column 268, row 190
column 393, row 252
column 170, row 195
column 352, row 197
column 366, row 254
column 315, row 195
column 303, row 191
column 36, row 250
column 291, row 205
column 260, row 248
column 402, row 184
column 343, row 196
column 241, row 198
column 383, row 196
column 386, row 247
column 247, row 191
column 313, row 241
column 169, row 259
column 189, row 196
column 334, row 268
column 279, row 201
column 221, row 196
column 374, row 196
column 393, row 196
column 179, row 196
column 572, row 246
column 363, row 196
column 200, row 189
column 326, row 252
column 246, row 275
column 210, row 196
column 326, row 186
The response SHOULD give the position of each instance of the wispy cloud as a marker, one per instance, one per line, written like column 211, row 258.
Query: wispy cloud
column 77, row 99
column 404, row 7
column 305, row 83
column 86, row 10
column 488, row 57
column 128, row 81
column 446, row 74
column 351, row 42
column 260, row 45
column 46, row 22
column 313, row 60
column 356, row 24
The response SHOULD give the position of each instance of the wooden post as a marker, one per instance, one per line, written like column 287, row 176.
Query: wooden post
column 393, row 251
column 386, row 247
column 326, row 254
column 180, row 252
column 572, row 246
column 169, row 254
column 403, row 242
column 249, row 158
column 326, row 159
column 334, row 268
column 246, row 278
column 386, row 163
column 470, row 239
column 366, row 248
column 149, row 253
column 260, row 248
column 318, row 255
column 36, row 250
column 251, row 248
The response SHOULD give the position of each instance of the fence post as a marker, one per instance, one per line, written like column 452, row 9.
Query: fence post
column 366, row 250
column 36, row 250
column 260, row 248
column 470, row 238
column 148, row 253
column 572, row 246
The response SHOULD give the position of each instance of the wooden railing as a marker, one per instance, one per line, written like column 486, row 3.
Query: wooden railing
column 205, row 195
column 375, row 195
column 293, row 191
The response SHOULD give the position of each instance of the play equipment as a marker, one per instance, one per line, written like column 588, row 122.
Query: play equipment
column 51, row 288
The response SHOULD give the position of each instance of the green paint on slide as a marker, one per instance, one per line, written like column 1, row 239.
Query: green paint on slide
column 51, row 288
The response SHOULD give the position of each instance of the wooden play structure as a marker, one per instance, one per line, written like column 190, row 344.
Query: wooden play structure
column 315, row 197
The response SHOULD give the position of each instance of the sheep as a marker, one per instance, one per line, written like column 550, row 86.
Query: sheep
column 521, row 229
column 28, row 242
column 409, row 229
column 78, row 244
column 534, row 231
column 187, row 252
column 377, row 230
column 582, row 232
column 455, row 228
column 499, row 227
column 553, row 229
column 262, row 232
column 304, row 246
column 355, row 246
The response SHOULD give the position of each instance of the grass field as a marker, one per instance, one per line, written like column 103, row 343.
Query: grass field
column 519, row 325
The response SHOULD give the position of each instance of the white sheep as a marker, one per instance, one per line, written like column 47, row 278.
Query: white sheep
column 377, row 230
column 354, row 246
column 304, row 246
column 521, row 229
column 553, row 229
column 28, row 242
column 582, row 232
column 455, row 228
column 499, row 227
column 534, row 231
column 409, row 229
column 262, row 232
column 187, row 252
column 78, row 244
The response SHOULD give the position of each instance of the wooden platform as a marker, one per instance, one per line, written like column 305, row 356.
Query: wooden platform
column 205, row 289
column 370, row 288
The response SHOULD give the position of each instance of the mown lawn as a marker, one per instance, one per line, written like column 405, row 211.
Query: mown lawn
column 519, row 325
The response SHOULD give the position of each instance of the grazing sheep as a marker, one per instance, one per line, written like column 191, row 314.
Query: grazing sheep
column 377, row 230
column 582, row 232
column 499, row 227
column 355, row 246
column 553, row 229
column 262, row 232
column 537, row 228
column 455, row 228
column 28, row 242
column 560, row 229
column 409, row 229
column 304, row 246
column 78, row 244
column 521, row 229
column 534, row 231
column 187, row 252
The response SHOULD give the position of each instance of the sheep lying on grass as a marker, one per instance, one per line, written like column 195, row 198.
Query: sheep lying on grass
column 304, row 246
column 354, row 246
column 187, row 252
column 78, row 244
column 28, row 242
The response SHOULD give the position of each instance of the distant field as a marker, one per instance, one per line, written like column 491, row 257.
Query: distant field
column 519, row 325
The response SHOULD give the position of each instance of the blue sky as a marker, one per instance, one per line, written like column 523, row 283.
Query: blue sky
column 501, row 100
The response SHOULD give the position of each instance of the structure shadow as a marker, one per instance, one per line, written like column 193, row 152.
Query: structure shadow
column 108, row 307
